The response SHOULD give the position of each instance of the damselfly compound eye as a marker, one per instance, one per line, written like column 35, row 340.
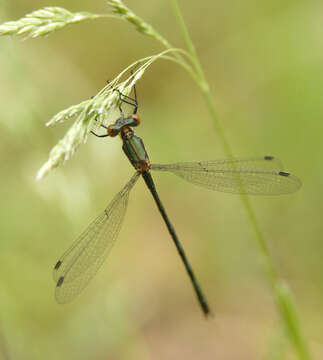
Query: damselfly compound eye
column 136, row 118
column 112, row 131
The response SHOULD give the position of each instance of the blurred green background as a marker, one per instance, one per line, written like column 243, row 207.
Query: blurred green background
column 263, row 60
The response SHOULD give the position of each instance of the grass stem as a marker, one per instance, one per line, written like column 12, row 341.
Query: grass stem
column 280, row 290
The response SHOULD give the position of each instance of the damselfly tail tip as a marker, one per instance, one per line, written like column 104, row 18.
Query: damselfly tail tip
column 208, row 314
column 206, row 310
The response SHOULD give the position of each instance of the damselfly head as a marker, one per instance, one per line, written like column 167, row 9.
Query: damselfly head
column 136, row 119
column 113, row 130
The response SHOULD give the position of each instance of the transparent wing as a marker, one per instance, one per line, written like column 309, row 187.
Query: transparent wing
column 254, row 176
column 82, row 260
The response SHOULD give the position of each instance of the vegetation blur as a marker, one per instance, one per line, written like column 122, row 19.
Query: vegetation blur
column 263, row 61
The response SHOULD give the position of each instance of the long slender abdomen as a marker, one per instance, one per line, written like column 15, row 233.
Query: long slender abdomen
column 201, row 298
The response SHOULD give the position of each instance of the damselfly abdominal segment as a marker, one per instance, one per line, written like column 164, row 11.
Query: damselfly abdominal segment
column 254, row 176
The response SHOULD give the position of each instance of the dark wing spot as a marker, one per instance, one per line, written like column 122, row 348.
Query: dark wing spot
column 58, row 264
column 268, row 158
column 282, row 173
column 60, row 281
column 203, row 167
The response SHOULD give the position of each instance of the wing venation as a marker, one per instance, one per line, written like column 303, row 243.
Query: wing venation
column 81, row 261
column 253, row 176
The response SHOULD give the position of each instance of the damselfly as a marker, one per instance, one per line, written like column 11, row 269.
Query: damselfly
column 254, row 176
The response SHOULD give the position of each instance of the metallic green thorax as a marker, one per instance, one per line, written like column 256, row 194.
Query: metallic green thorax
column 133, row 145
column 134, row 148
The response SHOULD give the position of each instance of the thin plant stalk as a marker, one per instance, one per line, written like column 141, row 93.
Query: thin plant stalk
column 280, row 289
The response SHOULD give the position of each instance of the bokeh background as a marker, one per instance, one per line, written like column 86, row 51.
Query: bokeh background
column 263, row 60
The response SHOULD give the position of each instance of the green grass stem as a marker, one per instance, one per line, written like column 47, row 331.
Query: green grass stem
column 280, row 290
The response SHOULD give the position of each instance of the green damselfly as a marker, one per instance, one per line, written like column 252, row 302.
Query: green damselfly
column 255, row 176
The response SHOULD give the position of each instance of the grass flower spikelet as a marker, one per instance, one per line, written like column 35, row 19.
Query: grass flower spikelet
column 142, row 26
column 44, row 21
